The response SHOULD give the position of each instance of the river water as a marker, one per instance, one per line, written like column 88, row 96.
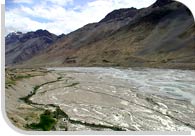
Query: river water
column 172, row 83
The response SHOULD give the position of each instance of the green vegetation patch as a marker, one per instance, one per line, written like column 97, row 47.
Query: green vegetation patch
column 47, row 122
column 22, row 76
column 12, row 78
column 59, row 78
column 73, row 84
column 26, row 98
column 14, row 75
column 9, row 83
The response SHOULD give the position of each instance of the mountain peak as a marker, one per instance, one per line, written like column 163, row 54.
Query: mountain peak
column 119, row 14
column 41, row 32
column 160, row 3
column 27, row 44
column 14, row 34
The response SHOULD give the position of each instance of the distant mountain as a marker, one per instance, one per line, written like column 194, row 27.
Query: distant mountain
column 22, row 46
column 161, row 35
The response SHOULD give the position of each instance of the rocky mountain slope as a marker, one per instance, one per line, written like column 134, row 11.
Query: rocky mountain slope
column 161, row 35
column 20, row 47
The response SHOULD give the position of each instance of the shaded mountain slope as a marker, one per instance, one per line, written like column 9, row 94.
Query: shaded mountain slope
column 161, row 35
column 164, row 38
column 20, row 47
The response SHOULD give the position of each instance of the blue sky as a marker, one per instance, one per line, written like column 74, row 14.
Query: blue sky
column 61, row 16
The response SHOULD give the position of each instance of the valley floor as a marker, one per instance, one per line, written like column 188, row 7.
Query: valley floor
column 92, row 98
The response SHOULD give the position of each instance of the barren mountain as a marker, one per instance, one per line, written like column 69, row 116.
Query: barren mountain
column 161, row 35
column 20, row 47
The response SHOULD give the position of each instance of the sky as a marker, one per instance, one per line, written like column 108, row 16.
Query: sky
column 61, row 16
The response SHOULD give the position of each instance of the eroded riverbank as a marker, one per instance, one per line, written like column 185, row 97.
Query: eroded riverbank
column 106, row 99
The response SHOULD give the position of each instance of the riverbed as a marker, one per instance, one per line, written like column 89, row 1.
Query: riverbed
column 105, row 98
column 133, row 98
column 172, row 83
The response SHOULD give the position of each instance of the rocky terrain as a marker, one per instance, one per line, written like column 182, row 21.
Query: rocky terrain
column 161, row 35
column 103, row 99
column 23, row 46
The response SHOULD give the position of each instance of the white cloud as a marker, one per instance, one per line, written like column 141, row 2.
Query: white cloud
column 23, row 1
column 64, row 20
column 60, row 2
column 16, row 22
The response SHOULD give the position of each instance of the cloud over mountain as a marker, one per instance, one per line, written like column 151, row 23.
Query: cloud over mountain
column 61, row 16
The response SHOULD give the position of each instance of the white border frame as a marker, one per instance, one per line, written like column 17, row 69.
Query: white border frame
column 11, row 129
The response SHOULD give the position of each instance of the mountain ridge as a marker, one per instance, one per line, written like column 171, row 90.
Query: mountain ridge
column 146, row 33
column 26, row 45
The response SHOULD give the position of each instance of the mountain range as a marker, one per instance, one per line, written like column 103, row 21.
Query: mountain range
column 161, row 35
